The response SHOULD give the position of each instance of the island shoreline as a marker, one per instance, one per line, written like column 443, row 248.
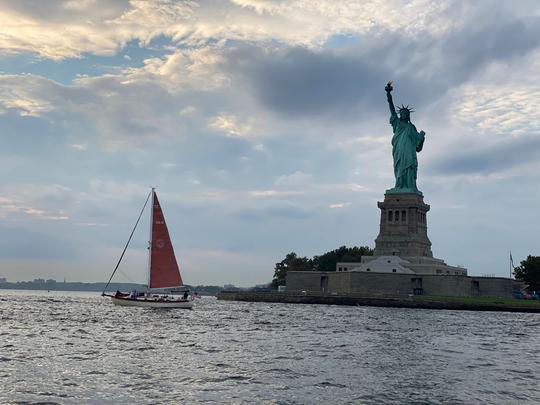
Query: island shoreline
column 421, row 302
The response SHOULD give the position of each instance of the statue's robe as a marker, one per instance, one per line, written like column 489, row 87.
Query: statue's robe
column 405, row 143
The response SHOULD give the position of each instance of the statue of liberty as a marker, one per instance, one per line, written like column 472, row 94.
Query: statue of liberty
column 405, row 143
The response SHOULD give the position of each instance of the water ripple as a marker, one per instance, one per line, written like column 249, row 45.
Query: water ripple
column 72, row 348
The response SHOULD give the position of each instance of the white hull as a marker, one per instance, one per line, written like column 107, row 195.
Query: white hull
column 151, row 303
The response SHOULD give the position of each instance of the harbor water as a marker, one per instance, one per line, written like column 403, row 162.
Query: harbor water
column 77, row 348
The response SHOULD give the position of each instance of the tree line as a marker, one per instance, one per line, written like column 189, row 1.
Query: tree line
column 529, row 272
column 324, row 262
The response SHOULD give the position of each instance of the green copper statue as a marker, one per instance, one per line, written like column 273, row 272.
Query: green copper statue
column 405, row 143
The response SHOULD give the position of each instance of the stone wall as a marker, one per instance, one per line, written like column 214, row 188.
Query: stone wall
column 377, row 284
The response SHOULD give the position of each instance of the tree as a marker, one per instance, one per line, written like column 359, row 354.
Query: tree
column 529, row 272
column 291, row 263
column 328, row 260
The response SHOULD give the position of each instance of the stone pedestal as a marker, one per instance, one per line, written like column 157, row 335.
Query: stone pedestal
column 403, row 245
column 403, row 226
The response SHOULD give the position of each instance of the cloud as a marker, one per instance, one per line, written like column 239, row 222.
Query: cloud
column 132, row 107
column 78, row 146
column 13, row 209
column 70, row 29
column 504, row 109
column 58, row 30
column 140, row 105
column 273, row 193
column 339, row 205
column 189, row 110
column 110, row 111
column 297, row 179
column 322, row 19
column 183, row 70
column 275, row 209
column 298, row 81
column 215, row 266
column 41, row 214
column 231, row 125
column 27, row 244
column 256, row 129
column 490, row 158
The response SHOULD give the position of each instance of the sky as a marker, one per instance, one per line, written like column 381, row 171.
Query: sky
column 264, row 126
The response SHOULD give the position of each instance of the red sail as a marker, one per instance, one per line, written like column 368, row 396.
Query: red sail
column 164, row 270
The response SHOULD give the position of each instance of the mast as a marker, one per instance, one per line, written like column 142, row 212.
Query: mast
column 150, row 239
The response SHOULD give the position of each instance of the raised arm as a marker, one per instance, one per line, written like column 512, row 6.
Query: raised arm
column 388, row 90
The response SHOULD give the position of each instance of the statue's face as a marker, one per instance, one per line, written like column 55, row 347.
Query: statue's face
column 404, row 115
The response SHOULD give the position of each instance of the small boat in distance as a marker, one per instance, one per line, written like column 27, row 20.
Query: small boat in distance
column 165, row 286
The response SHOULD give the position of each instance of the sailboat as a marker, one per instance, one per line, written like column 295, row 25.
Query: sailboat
column 165, row 286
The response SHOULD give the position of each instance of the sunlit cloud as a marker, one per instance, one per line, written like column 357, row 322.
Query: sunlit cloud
column 70, row 29
column 512, row 109
column 41, row 214
column 14, row 210
column 339, row 205
column 273, row 193
column 78, row 146
column 90, row 224
column 231, row 125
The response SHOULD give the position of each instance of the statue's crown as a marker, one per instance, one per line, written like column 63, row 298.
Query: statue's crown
column 405, row 108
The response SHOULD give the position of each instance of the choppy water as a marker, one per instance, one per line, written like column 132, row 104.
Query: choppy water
column 77, row 348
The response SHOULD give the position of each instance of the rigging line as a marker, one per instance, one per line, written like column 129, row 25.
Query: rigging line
column 125, row 247
column 127, row 277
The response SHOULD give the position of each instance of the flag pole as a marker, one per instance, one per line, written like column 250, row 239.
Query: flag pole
column 511, row 264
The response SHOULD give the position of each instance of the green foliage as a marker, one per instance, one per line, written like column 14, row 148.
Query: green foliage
column 529, row 272
column 325, row 262
column 291, row 263
column 328, row 261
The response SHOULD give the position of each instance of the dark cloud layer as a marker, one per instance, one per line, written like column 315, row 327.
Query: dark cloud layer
column 18, row 242
column 300, row 82
column 474, row 47
column 491, row 159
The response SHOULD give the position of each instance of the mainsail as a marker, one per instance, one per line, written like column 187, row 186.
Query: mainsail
column 164, row 271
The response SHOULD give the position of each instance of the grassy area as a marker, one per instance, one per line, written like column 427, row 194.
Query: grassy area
column 481, row 300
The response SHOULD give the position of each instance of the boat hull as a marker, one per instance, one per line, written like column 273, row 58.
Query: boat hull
column 150, row 303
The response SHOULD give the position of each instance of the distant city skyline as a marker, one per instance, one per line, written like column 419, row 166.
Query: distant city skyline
column 264, row 125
